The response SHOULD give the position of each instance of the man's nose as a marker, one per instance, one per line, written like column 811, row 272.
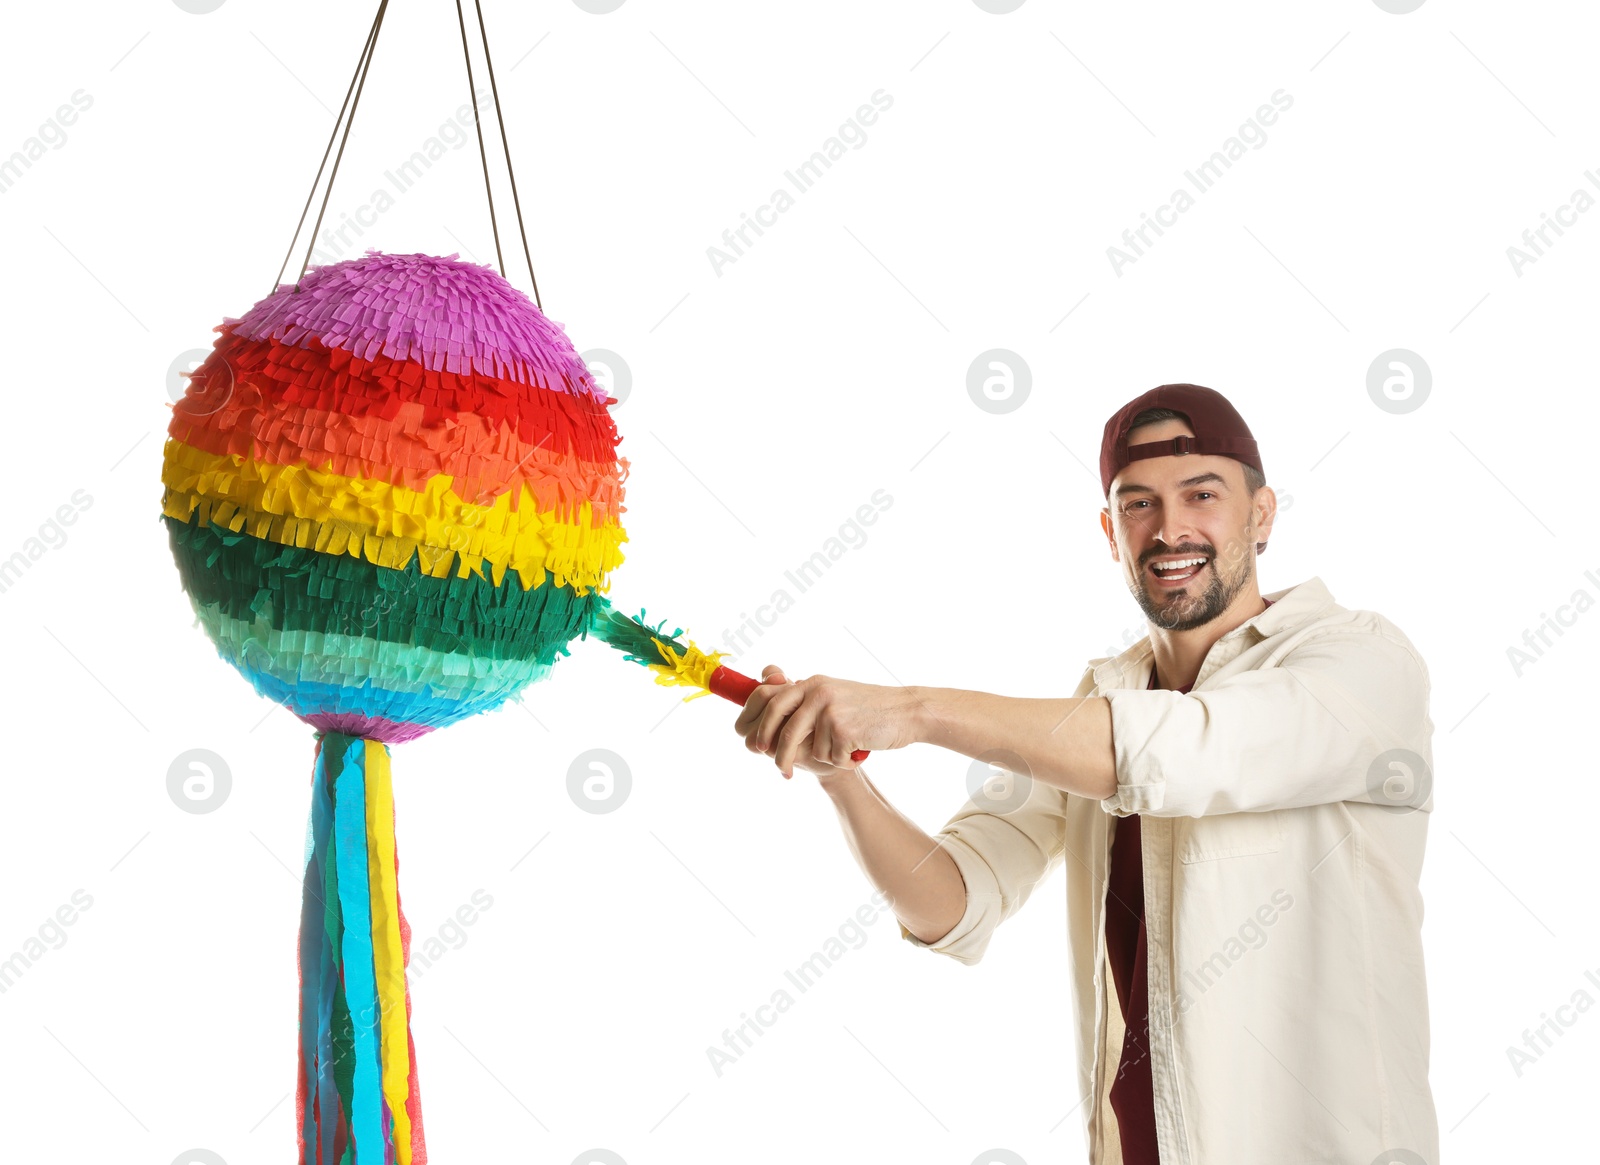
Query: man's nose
column 1172, row 532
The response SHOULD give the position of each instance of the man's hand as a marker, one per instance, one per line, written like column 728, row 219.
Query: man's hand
column 828, row 776
column 817, row 722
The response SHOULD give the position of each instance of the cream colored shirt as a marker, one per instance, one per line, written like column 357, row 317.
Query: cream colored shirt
column 1285, row 805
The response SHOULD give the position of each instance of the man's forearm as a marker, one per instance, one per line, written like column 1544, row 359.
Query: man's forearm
column 920, row 879
column 1062, row 742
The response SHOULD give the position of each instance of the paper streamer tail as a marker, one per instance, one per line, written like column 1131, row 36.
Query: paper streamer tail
column 358, row 1101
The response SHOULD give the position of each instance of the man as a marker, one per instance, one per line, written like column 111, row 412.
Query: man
column 1241, row 803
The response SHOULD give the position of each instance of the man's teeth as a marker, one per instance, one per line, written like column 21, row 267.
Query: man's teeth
column 1183, row 564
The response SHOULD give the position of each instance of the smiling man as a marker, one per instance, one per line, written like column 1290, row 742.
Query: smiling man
column 1240, row 801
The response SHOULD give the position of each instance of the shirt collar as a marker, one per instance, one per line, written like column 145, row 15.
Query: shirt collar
column 1291, row 607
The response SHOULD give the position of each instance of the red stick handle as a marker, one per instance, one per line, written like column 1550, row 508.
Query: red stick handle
column 737, row 686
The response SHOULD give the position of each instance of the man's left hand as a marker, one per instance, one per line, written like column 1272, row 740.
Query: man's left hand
column 826, row 719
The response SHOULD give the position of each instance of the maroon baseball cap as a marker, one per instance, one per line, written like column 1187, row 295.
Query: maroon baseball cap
column 1218, row 429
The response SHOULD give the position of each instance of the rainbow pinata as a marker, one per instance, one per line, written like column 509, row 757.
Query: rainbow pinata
column 393, row 494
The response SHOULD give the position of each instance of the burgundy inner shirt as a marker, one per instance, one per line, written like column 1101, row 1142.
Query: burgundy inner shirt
column 1131, row 1095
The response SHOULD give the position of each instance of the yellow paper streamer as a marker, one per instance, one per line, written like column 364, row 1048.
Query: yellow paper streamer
column 388, row 955
column 691, row 669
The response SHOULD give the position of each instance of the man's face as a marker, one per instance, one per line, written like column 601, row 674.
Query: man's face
column 1168, row 510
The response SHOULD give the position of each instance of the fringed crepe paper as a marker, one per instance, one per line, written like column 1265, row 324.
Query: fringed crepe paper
column 394, row 497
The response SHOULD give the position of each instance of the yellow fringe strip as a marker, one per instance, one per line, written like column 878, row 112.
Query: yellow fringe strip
column 691, row 669
column 296, row 505
column 388, row 953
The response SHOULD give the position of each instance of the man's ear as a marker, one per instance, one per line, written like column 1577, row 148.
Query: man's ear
column 1111, row 534
column 1265, row 510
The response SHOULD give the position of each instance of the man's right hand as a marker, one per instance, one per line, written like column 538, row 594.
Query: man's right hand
column 828, row 776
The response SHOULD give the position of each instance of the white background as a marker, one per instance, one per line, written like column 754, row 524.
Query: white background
column 828, row 362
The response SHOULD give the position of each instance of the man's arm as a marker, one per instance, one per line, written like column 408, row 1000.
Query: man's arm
column 1343, row 716
column 922, row 882
column 920, row 879
column 949, row 892
column 1065, row 743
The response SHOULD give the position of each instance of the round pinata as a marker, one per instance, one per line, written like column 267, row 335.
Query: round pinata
column 393, row 494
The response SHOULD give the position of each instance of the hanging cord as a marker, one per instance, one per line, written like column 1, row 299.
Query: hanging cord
column 506, row 145
column 377, row 25
column 366, row 54
column 478, row 125
column 352, row 100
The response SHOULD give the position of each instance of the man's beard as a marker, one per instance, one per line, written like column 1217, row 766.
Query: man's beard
column 1188, row 611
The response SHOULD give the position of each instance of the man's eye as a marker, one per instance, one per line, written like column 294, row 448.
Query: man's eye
column 1206, row 493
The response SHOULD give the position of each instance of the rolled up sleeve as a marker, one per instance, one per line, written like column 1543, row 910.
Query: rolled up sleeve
column 1002, row 856
column 1331, row 721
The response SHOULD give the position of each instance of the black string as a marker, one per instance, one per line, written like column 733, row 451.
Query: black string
column 506, row 144
column 352, row 99
column 366, row 52
column 377, row 25
column 338, row 157
column 482, row 153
